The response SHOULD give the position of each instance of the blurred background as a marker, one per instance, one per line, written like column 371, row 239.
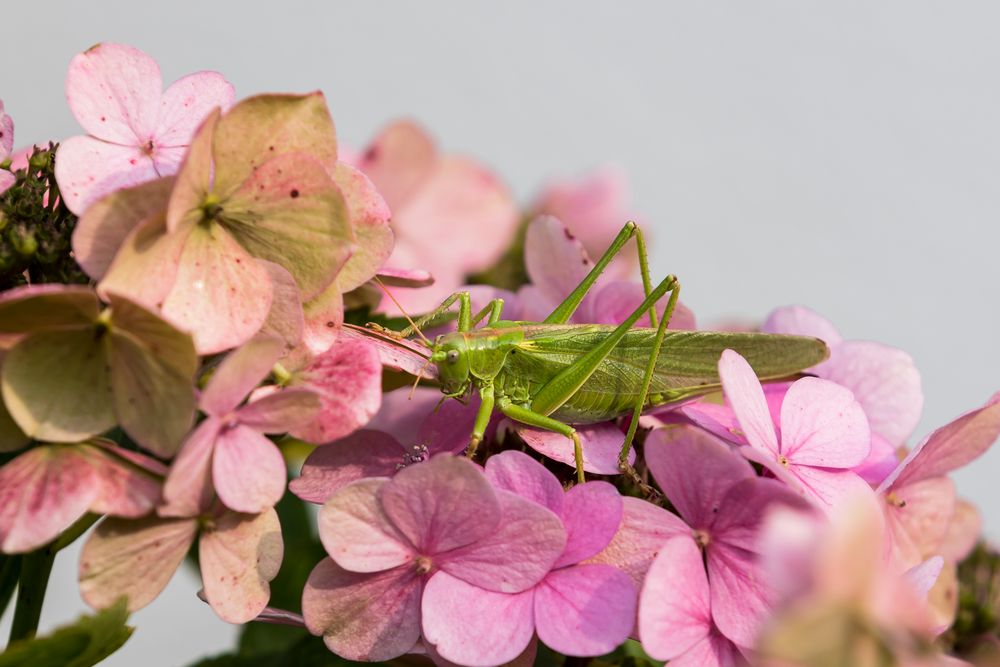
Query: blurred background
column 841, row 155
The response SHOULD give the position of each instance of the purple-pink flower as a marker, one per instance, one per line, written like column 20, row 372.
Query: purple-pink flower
column 136, row 131
column 6, row 146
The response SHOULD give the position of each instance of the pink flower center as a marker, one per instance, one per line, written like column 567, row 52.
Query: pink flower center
column 702, row 537
column 423, row 565
column 783, row 460
column 895, row 500
column 148, row 148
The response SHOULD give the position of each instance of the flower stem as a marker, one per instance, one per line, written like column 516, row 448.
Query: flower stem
column 35, row 569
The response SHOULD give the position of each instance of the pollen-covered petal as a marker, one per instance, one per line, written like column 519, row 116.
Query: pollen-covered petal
column 42, row 492
column 471, row 626
column 518, row 473
column 745, row 395
column 516, row 554
column 591, row 516
column 442, row 504
column 133, row 557
column 247, row 470
column 823, row 425
column 239, row 554
column 114, row 92
column 601, row 444
column 362, row 454
column 186, row 103
column 585, row 610
column 363, row 616
column 357, row 533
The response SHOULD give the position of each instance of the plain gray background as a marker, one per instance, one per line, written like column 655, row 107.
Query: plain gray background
column 844, row 155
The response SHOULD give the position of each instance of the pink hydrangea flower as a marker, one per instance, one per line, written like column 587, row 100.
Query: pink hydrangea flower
column 6, row 146
column 578, row 609
column 388, row 539
column 48, row 488
column 227, row 453
column 822, row 431
column 719, row 497
column 136, row 131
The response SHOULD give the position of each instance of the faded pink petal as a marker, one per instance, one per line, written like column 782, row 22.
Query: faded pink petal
column 601, row 444
column 281, row 411
column 441, row 505
column 591, row 515
column 286, row 320
column 964, row 531
column 585, row 610
column 88, row 169
column 613, row 302
column 448, row 427
column 239, row 374
column 370, row 617
column 471, row 626
column 6, row 134
column 402, row 414
column 247, row 470
column 516, row 554
column 370, row 217
column 518, row 473
column 114, row 92
column 885, row 381
column 823, row 425
column 827, row 486
column 362, row 454
column 125, row 490
column 323, row 317
column 801, row 321
column 239, row 554
column 132, row 557
column 923, row 576
column 713, row 651
column 917, row 516
column 740, row 595
column 357, row 533
column 397, row 354
column 879, row 463
column 188, row 489
column 186, row 103
column 555, row 260
column 674, row 606
column 348, row 380
column 42, row 493
column 643, row 531
column 694, row 469
column 744, row 393
column 398, row 161
column 405, row 277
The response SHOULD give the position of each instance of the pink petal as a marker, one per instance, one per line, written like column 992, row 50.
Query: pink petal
column 674, row 606
column 239, row 555
column 713, row 651
column 286, row 320
column 42, row 493
column 356, row 532
column 401, row 415
column 923, row 576
column 613, row 302
column 398, row 161
column 405, row 277
column 917, row 516
column 323, row 317
column 239, row 374
column 515, row 555
column 113, row 91
column 518, row 473
column 694, row 470
column 370, row 219
column 881, row 461
column 886, row 383
column 145, row 266
column 186, row 103
column 828, row 487
column 348, row 379
column 801, row 321
column 125, row 490
column 950, row 447
column 221, row 295
column 964, row 531
column 132, row 557
column 188, row 489
column 89, row 169
column 441, row 505
column 397, row 354
column 281, row 411
column 591, row 515
column 717, row 419
column 741, row 599
column 744, row 506
column 744, row 393
column 370, row 617
column 448, row 427
column 822, row 425
column 601, row 445
column 248, row 470
column 167, row 161
column 585, row 610
column 6, row 134
column 643, row 531
column 362, row 454
column 471, row 626
column 556, row 262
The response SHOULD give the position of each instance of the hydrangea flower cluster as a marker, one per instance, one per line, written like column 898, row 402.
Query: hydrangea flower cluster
column 203, row 376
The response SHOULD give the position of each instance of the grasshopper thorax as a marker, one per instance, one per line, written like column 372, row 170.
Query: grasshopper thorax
column 451, row 356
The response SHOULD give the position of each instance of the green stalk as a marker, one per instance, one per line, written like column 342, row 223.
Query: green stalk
column 35, row 569
column 10, row 570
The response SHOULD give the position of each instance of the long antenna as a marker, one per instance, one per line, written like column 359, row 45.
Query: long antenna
column 416, row 382
column 412, row 323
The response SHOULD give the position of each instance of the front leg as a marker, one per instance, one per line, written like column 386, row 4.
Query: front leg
column 531, row 418
column 486, row 397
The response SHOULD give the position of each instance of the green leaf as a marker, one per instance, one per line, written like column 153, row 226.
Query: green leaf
column 85, row 643
column 55, row 385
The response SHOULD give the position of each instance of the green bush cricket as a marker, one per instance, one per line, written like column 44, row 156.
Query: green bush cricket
column 551, row 374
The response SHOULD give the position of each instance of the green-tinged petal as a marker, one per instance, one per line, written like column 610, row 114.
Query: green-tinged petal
column 86, row 642
column 263, row 127
column 145, row 267
column 173, row 349
column 292, row 213
column 194, row 178
column 12, row 438
column 221, row 294
column 55, row 385
column 35, row 307
column 103, row 228
column 369, row 217
column 286, row 319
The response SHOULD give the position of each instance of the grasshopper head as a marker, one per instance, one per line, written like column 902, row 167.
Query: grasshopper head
column 451, row 356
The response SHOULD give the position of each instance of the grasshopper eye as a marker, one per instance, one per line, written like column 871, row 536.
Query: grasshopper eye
column 452, row 356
